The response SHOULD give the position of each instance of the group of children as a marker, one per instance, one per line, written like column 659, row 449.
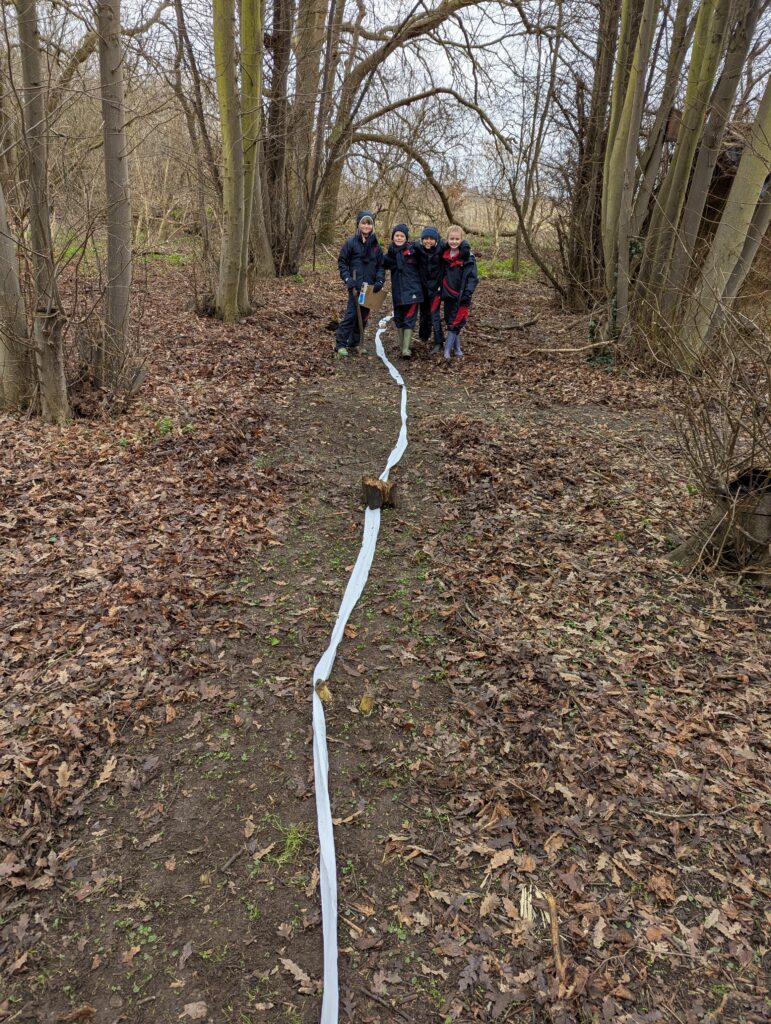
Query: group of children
column 425, row 276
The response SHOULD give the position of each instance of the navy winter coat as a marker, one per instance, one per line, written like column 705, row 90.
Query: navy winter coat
column 459, row 273
column 430, row 267
column 406, row 285
column 361, row 261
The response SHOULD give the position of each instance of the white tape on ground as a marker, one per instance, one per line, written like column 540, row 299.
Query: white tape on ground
column 327, row 865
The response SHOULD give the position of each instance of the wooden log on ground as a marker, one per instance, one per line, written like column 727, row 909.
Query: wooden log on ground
column 378, row 493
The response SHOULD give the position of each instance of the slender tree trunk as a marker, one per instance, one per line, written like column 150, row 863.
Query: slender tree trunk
column 730, row 241
column 308, row 48
column 278, row 141
column 115, row 347
column 632, row 121
column 620, row 164
column 722, row 102
column 329, row 197
column 251, row 121
column 708, row 46
column 197, row 97
column 583, row 264
column 225, row 60
column 47, row 329
column 16, row 372
column 650, row 161
column 761, row 221
column 624, row 53
column 316, row 174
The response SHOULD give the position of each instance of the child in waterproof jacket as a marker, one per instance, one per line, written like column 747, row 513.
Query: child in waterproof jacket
column 429, row 264
column 360, row 262
column 406, row 286
column 459, row 279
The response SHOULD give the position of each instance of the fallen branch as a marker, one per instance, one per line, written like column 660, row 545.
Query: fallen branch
column 582, row 348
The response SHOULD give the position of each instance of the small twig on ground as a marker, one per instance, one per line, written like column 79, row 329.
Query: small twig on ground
column 383, row 1002
column 697, row 814
column 581, row 348
column 233, row 859
column 555, row 936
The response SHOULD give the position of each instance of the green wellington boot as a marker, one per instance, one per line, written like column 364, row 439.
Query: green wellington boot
column 400, row 336
column 406, row 343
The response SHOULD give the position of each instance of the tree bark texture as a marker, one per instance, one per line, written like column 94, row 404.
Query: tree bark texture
column 47, row 324
column 225, row 62
column 728, row 246
column 255, row 236
column 16, row 370
column 114, row 351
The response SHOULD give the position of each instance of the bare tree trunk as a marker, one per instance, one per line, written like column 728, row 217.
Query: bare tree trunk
column 308, row 49
column 731, row 237
column 708, row 46
column 227, row 307
column 278, row 143
column 722, row 102
column 650, row 161
column 197, row 97
column 583, row 265
column 251, row 121
column 16, row 375
column 47, row 330
column 632, row 117
column 114, row 350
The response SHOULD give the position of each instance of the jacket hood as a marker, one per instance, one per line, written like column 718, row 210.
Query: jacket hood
column 430, row 232
column 365, row 213
column 400, row 227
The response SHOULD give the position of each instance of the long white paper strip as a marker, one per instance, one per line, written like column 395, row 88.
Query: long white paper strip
column 327, row 864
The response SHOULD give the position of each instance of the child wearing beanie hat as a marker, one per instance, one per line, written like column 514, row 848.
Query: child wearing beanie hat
column 406, row 286
column 360, row 262
column 429, row 264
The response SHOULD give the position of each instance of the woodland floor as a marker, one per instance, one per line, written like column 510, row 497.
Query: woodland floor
column 557, row 712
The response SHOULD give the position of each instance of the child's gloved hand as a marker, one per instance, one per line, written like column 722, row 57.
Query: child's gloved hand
column 354, row 285
column 377, row 287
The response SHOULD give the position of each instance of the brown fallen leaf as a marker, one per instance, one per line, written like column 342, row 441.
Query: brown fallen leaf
column 171, row 863
column 488, row 904
column 129, row 954
column 107, row 772
column 195, row 1011
column 17, row 965
column 501, row 857
column 84, row 1012
column 305, row 983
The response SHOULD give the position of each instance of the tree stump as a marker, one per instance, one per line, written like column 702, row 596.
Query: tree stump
column 737, row 533
column 378, row 493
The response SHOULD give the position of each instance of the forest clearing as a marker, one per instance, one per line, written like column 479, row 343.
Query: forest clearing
column 555, row 708
column 547, row 721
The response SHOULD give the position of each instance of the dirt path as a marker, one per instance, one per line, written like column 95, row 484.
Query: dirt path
column 533, row 715
column 199, row 885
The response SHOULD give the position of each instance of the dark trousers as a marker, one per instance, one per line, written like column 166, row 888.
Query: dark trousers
column 405, row 316
column 347, row 334
column 431, row 320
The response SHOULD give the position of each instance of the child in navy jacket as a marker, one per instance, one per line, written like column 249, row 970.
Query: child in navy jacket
column 459, row 279
column 406, row 285
column 360, row 262
column 429, row 263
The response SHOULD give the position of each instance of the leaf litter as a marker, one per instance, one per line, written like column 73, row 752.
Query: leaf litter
column 584, row 781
